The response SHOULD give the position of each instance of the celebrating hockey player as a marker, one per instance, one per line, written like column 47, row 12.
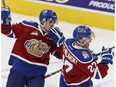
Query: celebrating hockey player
column 31, row 52
column 79, row 64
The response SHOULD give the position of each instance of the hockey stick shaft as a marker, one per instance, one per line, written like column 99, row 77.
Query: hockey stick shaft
column 4, row 6
column 100, row 52
column 3, row 3
column 55, row 72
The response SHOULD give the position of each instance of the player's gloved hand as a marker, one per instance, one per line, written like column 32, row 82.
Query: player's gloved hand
column 95, row 56
column 107, row 55
column 5, row 15
column 56, row 35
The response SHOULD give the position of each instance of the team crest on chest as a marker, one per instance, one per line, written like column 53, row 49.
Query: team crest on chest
column 36, row 48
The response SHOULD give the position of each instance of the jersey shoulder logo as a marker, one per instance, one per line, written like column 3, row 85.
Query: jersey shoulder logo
column 85, row 54
column 36, row 48
column 35, row 33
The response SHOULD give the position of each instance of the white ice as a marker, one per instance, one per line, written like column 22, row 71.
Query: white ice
column 102, row 38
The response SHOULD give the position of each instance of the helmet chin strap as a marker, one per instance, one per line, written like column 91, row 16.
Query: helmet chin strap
column 81, row 43
column 43, row 25
column 84, row 45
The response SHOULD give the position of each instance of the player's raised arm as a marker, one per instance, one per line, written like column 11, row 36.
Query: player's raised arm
column 5, row 20
column 106, row 59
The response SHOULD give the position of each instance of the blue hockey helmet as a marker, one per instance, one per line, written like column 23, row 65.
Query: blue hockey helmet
column 82, row 32
column 47, row 15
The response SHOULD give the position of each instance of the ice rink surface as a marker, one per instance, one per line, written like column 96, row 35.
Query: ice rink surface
column 102, row 38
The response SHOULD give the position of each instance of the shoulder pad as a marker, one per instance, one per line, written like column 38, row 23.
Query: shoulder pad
column 84, row 56
column 30, row 23
column 70, row 40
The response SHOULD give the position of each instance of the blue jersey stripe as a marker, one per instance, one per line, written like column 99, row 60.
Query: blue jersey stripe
column 26, row 68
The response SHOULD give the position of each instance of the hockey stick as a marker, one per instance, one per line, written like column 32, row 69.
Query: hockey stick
column 3, row 3
column 100, row 52
column 4, row 6
column 55, row 72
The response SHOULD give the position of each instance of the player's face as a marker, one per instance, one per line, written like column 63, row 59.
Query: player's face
column 49, row 24
column 88, row 41
column 85, row 43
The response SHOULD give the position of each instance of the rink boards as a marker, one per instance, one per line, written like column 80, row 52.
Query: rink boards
column 65, row 13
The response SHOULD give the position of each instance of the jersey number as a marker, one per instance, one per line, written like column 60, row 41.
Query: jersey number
column 92, row 67
column 70, row 66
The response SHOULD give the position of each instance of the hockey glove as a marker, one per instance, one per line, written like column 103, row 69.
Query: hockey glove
column 5, row 15
column 107, row 55
column 56, row 35
column 95, row 56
